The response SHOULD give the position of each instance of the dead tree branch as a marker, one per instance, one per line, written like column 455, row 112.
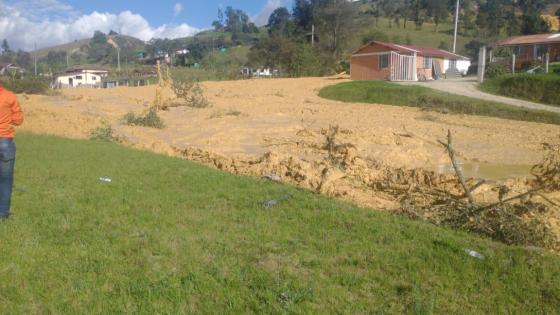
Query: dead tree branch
column 458, row 170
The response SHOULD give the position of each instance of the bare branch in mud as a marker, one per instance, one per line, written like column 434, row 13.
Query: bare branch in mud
column 458, row 170
column 527, row 193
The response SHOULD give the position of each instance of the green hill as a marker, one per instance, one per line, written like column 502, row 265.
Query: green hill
column 122, row 41
column 168, row 236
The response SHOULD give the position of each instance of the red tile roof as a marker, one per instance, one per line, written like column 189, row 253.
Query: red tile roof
column 421, row 51
column 531, row 39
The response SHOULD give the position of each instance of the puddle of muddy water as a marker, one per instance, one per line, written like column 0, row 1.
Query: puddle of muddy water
column 488, row 171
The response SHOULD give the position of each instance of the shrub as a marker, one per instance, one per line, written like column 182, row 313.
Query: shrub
column 495, row 70
column 190, row 93
column 104, row 133
column 150, row 119
column 28, row 85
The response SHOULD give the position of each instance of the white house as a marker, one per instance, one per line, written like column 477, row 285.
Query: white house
column 81, row 76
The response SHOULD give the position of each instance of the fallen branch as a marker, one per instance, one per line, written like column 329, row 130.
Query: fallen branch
column 530, row 192
column 458, row 170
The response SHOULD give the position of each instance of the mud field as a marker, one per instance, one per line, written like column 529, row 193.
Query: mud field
column 279, row 127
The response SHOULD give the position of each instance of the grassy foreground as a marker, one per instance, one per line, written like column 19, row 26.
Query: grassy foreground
column 169, row 236
column 381, row 92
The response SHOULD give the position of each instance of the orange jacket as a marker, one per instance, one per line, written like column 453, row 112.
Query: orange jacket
column 10, row 113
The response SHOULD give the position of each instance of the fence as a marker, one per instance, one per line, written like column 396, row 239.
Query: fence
column 403, row 68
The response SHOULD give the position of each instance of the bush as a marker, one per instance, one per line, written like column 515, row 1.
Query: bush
column 104, row 133
column 190, row 93
column 28, row 85
column 150, row 119
column 541, row 88
column 495, row 70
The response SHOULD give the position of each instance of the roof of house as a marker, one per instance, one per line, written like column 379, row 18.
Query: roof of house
column 531, row 39
column 421, row 51
column 79, row 68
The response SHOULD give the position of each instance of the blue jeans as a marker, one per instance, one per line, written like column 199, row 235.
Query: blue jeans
column 7, row 161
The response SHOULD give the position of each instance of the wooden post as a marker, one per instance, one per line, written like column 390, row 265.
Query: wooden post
column 481, row 63
column 513, row 63
column 546, row 62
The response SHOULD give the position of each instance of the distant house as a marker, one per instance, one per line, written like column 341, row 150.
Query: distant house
column 81, row 76
column 534, row 47
column 394, row 62
column 10, row 68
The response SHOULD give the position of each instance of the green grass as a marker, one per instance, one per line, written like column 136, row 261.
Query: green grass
column 171, row 237
column 542, row 88
column 425, row 37
column 381, row 92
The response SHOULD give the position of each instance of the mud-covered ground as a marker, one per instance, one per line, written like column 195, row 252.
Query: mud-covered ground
column 279, row 127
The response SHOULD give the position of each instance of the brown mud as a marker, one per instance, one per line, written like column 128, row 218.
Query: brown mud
column 382, row 154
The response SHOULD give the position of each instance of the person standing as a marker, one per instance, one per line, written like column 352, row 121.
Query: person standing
column 10, row 115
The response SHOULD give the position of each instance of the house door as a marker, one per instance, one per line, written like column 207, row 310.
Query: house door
column 403, row 67
column 71, row 82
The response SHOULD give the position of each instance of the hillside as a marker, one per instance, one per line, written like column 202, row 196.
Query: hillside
column 122, row 41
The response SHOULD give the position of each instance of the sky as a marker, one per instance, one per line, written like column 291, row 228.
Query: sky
column 45, row 23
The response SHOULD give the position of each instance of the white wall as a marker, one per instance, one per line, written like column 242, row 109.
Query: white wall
column 462, row 65
column 85, row 78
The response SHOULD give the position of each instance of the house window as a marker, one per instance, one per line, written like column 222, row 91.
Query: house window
column 94, row 78
column 383, row 61
column 78, row 77
column 428, row 62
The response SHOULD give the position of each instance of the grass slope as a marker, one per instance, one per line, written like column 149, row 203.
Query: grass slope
column 168, row 236
column 381, row 92
column 425, row 37
column 542, row 88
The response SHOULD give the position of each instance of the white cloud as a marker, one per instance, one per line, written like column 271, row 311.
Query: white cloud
column 23, row 29
column 262, row 17
column 177, row 9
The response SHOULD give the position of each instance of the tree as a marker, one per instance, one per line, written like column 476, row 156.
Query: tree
column 335, row 25
column 437, row 9
column 532, row 23
column 5, row 47
column 391, row 9
column 280, row 22
column 302, row 14
column 98, row 48
column 218, row 27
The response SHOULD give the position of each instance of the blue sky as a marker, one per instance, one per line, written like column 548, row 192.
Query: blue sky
column 45, row 23
column 194, row 12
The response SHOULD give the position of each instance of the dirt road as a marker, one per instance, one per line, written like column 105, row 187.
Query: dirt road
column 468, row 87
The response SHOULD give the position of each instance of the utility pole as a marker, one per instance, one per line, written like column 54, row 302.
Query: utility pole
column 118, row 59
column 456, row 25
column 35, row 58
column 312, row 34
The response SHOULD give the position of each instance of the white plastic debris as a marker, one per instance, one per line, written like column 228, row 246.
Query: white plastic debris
column 473, row 253
column 272, row 178
column 106, row 179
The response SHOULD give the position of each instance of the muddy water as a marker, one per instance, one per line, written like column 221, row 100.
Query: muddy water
column 488, row 171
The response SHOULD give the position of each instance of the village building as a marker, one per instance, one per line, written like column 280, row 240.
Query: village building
column 10, row 69
column 81, row 76
column 394, row 62
column 531, row 48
